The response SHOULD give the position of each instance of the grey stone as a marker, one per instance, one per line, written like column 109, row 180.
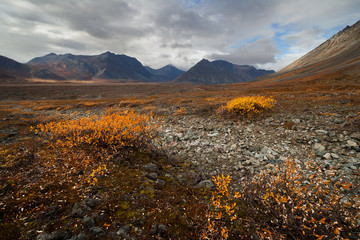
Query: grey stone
column 151, row 167
column 153, row 229
column 355, row 135
column 338, row 120
column 214, row 134
column 162, row 229
column 91, row 202
column 321, row 132
column 43, row 236
column 79, row 210
column 327, row 156
column 97, row 232
column 351, row 143
column 205, row 184
column 152, row 176
column 89, row 222
column 296, row 121
column 80, row 236
column 319, row 149
column 59, row 235
column 334, row 155
column 160, row 182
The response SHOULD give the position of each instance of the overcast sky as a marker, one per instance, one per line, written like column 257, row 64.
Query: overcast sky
column 268, row 34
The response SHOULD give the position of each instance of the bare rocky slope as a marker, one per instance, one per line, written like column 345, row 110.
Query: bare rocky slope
column 337, row 59
column 337, row 47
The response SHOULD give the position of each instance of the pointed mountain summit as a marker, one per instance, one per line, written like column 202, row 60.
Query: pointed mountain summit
column 220, row 72
column 166, row 73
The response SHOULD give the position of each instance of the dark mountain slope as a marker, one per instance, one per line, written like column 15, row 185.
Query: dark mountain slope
column 11, row 70
column 165, row 74
column 106, row 66
column 219, row 72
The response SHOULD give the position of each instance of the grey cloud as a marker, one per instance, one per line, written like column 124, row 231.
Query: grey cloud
column 180, row 45
column 183, row 30
column 259, row 52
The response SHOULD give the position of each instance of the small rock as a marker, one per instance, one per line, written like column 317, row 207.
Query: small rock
column 59, row 235
column 334, row 155
column 319, row 149
column 162, row 229
column 81, row 236
column 152, row 176
column 351, row 143
column 338, row 120
column 91, row 202
column 355, row 135
column 215, row 134
column 160, row 182
column 151, row 167
column 321, row 132
column 79, row 210
column 205, row 184
column 327, row 156
column 89, row 222
column 153, row 229
column 296, row 121
column 97, row 232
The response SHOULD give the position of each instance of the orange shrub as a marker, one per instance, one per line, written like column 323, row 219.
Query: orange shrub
column 222, row 211
column 112, row 132
column 249, row 106
column 181, row 111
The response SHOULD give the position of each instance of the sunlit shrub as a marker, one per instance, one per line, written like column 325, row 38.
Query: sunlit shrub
column 181, row 111
column 292, row 201
column 249, row 106
column 221, row 213
column 301, row 202
column 112, row 132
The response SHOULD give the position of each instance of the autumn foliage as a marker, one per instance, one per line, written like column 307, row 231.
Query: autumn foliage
column 249, row 106
column 113, row 132
column 293, row 201
column 221, row 214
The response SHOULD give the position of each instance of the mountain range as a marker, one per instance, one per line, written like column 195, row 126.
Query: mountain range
column 220, row 72
column 116, row 67
column 165, row 74
column 336, row 59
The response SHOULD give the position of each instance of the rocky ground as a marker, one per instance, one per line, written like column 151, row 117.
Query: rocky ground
column 218, row 146
column 210, row 145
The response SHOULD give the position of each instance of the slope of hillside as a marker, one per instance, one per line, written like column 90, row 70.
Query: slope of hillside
column 106, row 66
column 337, row 59
column 165, row 74
column 220, row 72
column 11, row 70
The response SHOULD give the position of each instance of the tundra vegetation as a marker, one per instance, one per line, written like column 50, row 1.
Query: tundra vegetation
column 97, row 167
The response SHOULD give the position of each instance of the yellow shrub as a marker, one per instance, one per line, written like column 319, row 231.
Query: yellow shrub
column 111, row 132
column 249, row 106
column 221, row 213
column 181, row 111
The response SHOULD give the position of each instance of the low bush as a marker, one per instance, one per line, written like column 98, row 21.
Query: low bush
column 249, row 106
column 293, row 201
column 114, row 132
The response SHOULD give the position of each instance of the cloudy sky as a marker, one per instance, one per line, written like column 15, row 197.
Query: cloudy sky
column 265, row 33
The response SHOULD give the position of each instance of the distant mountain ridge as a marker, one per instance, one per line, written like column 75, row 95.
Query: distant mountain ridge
column 220, row 72
column 165, row 74
column 105, row 66
column 11, row 70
